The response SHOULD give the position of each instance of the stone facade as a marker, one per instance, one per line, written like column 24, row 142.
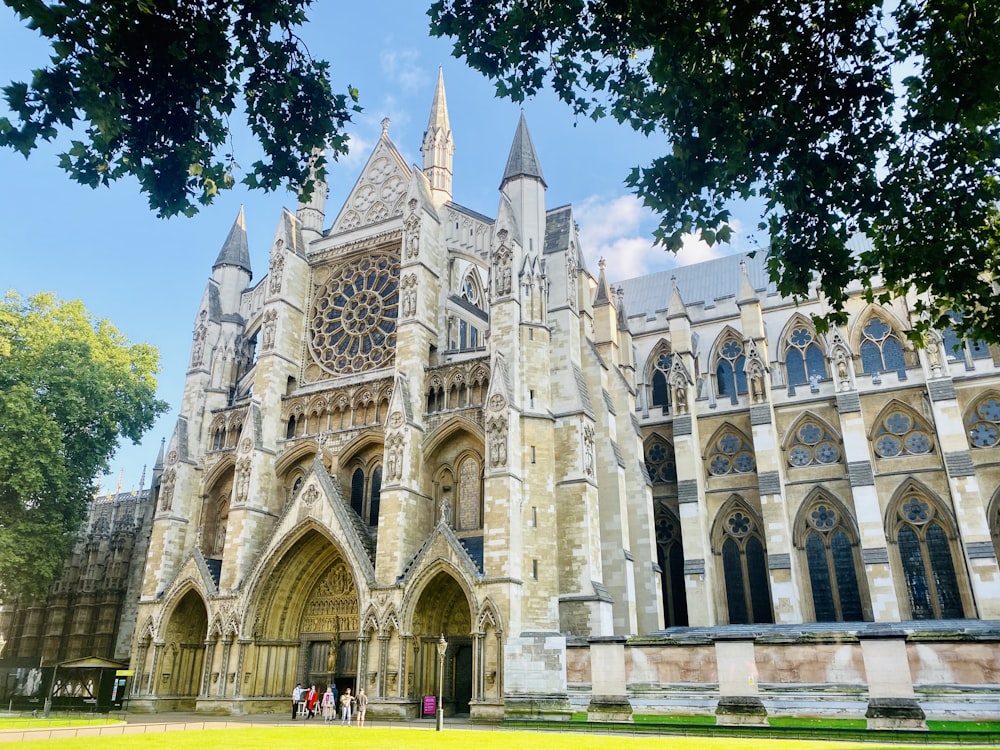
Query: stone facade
column 90, row 610
column 424, row 421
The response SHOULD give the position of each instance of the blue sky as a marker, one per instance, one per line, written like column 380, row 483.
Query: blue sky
column 147, row 274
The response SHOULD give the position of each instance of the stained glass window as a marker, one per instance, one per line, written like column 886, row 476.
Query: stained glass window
column 803, row 357
column 744, row 565
column 731, row 379
column 375, row 497
column 660, row 393
column 902, row 434
column 881, row 350
column 358, row 491
column 670, row 555
column 832, row 564
column 926, row 555
column 660, row 462
column 983, row 423
column 731, row 454
column 813, row 445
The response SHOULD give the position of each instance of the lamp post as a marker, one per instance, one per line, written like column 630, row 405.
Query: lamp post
column 442, row 647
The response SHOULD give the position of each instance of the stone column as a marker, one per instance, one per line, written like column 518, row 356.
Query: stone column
column 206, row 670
column 892, row 704
column 140, row 663
column 241, row 654
column 739, row 696
column 874, row 547
column 224, row 666
column 153, row 665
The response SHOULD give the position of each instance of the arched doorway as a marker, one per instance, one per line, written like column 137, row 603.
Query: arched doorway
column 182, row 664
column 307, row 623
column 444, row 609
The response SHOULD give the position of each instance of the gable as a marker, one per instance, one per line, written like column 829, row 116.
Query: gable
column 380, row 192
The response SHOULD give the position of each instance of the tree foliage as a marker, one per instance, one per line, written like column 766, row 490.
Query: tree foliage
column 149, row 86
column 70, row 387
column 843, row 117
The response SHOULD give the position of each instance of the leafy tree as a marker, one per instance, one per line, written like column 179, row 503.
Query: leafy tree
column 152, row 85
column 844, row 117
column 70, row 387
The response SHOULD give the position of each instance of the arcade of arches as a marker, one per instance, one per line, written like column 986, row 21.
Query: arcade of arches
column 308, row 629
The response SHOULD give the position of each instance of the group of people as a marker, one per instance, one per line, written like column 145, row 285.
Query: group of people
column 305, row 702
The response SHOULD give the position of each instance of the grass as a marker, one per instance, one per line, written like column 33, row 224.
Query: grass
column 274, row 738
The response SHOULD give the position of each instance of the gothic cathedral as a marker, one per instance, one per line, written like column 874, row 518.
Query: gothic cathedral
column 424, row 423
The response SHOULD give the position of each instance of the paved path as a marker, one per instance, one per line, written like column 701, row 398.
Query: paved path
column 179, row 722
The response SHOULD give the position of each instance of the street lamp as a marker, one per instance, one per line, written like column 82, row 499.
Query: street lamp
column 442, row 646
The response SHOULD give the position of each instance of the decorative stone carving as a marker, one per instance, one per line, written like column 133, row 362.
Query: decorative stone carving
column 277, row 269
column 198, row 347
column 243, row 467
column 267, row 330
column 394, row 458
column 572, row 270
column 167, row 488
column 497, row 432
column 412, row 242
column 588, row 450
column 310, row 496
column 409, row 287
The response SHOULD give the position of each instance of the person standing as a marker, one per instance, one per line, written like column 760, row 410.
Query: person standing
column 345, row 707
column 329, row 705
column 312, row 698
column 296, row 699
column 362, row 706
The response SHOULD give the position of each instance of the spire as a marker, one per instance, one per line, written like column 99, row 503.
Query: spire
column 236, row 250
column 311, row 213
column 603, row 296
column 523, row 161
column 675, row 307
column 438, row 146
column 747, row 293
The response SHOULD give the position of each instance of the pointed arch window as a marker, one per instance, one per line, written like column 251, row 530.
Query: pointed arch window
column 900, row 433
column 660, row 462
column 927, row 557
column 366, row 492
column 803, row 357
column 832, row 559
column 881, row 350
column 375, row 496
column 731, row 454
column 813, row 445
column 472, row 291
column 731, row 379
column 963, row 350
column 670, row 556
column 983, row 423
column 358, row 491
column 470, row 494
column 659, row 390
column 744, row 566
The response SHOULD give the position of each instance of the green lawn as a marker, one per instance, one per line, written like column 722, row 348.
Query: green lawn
column 273, row 738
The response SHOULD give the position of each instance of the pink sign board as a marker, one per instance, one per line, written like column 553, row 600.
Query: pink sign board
column 430, row 705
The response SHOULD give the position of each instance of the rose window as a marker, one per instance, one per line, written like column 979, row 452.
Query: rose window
column 354, row 315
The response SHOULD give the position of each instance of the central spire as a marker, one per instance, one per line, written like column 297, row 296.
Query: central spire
column 438, row 146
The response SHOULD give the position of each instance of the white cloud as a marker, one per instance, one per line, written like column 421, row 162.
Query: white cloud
column 620, row 229
column 401, row 66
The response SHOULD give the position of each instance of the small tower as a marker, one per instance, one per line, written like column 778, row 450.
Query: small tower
column 438, row 146
column 311, row 213
column 525, row 186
